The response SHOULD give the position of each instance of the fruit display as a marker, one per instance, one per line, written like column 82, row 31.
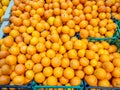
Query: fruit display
column 3, row 7
column 41, row 45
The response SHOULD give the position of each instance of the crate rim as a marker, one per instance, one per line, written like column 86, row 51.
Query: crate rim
column 35, row 85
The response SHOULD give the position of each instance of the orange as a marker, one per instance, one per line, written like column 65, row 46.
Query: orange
column 35, row 34
column 72, row 32
column 84, row 33
column 71, row 24
column 91, row 80
column 63, row 80
column 55, row 46
column 76, row 12
column 108, row 76
column 50, row 53
column 13, row 74
column 45, row 61
column 99, row 64
column 116, row 82
column 75, row 81
column 40, row 11
column 105, row 44
column 83, row 24
column 18, row 80
column 37, row 68
column 69, row 73
column 29, row 64
column 94, row 22
column 14, row 50
column 40, row 27
column 64, row 5
column 3, row 54
column 41, row 40
column 18, row 39
column 58, row 72
column 47, row 71
column 81, row 52
column 30, row 29
column 57, row 21
column 7, row 29
column 64, row 17
column 4, row 79
column 93, row 62
column 8, row 41
column 65, row 62
column 56, row 4
column 48, row 44
column 43, row 54
column 77, row 19
column 68, row 45
column 40, row 47
column 17, row 21
column 20, row 69
column 50, row 20
column 108, row 66
column 104, row 58
column 29, row 74
column 31, row 50
column 52, row 81
column 116, row 62
column 80, row 74
column 34, row 22
column 84, row 61
column 48, row 13
column 55, row 62
column 88, row 70
column 26, row 22
column 34, row 41
column 90, row 54
column 112, row 49
column 54, row 38
column 103, row 23
column 102, row 15
column 65, row 29
column 5, row 69
column 72, row 53
column 78, row 44
column 23, row 49
column 28, row 8
column 36, row 58
column 74, row 63
column 104, row 83
column 88, row 16
column 39, row 77
column 11, row 60
column 116, row 55
column 87, row 9
column 94, row 47
column 116, row 72
column 2, row 62
column 100, row 73
column 44, row 33
column 35, row 5
column 65, row 37
column 69, row 10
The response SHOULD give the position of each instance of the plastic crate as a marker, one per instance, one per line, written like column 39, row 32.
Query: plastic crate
column 16, row 87
column 88, row 87
column 35, row 86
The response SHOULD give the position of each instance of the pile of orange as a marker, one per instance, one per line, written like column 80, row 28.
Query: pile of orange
column 41, row 45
